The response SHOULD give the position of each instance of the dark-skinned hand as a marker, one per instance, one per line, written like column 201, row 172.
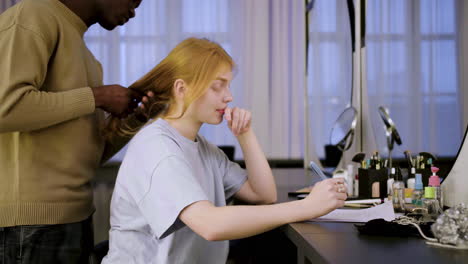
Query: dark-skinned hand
column 146, row 101
column 120, row 101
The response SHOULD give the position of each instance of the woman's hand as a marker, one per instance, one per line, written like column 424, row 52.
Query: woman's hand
column 238, row 120
column 327, row 195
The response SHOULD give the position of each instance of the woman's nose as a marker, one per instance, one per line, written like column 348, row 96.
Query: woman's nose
column 228, row 97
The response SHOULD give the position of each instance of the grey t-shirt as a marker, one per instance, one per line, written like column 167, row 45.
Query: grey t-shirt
column 161, row 174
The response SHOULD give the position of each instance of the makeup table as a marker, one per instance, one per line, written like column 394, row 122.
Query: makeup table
column 326, row 242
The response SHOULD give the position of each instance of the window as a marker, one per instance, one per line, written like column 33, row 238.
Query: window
column 412, row 69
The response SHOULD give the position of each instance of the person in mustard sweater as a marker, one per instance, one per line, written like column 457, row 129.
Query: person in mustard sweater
column 52, row 104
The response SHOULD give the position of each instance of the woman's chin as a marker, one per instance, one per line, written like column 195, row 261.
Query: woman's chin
column 214, row 121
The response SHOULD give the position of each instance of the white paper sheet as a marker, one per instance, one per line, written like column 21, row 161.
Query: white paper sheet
column 384, row 211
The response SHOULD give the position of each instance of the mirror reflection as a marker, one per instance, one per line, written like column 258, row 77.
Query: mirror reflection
column 342, row 133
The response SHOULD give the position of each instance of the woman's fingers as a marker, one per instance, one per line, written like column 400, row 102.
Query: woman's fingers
column 228, row 116
column 246, row 124
column 342, row 196
column 337, row 180
column 238, row 120
column 235, row 119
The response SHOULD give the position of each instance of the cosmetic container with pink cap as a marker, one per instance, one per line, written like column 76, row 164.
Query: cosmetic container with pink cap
column 434, row 182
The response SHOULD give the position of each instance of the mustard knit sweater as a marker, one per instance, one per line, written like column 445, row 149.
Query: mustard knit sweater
column 50, row 142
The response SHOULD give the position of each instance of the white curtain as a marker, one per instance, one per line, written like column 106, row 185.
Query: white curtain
column 265, row 38
column 329, row 70
column 463, row 61
column 287, row 60
column 412, row 68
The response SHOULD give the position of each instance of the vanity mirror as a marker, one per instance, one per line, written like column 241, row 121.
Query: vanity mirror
column 342, row 133
column 391, row 132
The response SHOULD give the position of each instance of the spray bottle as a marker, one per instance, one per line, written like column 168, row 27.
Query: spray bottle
column 418, row 192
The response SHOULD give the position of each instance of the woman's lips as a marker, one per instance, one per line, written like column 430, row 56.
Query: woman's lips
column 221, row 111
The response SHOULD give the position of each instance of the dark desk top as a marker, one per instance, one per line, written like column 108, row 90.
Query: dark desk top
column 325, row 242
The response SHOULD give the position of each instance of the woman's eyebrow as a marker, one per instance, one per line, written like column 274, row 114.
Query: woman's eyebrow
column 222, row 79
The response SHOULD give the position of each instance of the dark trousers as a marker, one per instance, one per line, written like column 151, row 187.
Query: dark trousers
column 64, row 243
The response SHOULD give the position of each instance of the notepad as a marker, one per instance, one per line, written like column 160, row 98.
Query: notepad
column 384, row 211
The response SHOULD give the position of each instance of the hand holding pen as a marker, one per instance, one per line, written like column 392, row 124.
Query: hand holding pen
column 327, row 195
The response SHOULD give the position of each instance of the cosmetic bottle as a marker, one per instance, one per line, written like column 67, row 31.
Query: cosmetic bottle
column 411, row 180
column 434, row 182
column 431, row 204
column 398, row 189
column 356, row 185
column 410, row 185
column 350, row 179
column 391, row 179
column 418, row 192
column 378, row 164
column 408, row 195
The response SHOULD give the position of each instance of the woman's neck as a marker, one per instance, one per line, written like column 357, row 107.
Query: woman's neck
column 185, row 127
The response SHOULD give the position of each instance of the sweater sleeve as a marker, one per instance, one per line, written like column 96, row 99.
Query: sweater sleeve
column 23, row 105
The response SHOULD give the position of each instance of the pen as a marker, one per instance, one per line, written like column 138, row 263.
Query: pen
column 364, row 201
column 358, row 205
column 315, row 169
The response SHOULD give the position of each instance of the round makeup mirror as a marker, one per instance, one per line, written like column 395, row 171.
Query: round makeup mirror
column 391, row 132
column 342, row 133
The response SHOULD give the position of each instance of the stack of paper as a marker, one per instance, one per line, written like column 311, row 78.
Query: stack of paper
column 384, row 211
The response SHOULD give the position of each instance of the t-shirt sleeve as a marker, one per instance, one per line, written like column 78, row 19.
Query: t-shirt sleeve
column 172, row 188
column 233, row 175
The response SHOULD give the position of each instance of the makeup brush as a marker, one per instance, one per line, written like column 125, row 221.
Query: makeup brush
column 359, row 157
column 409, row 159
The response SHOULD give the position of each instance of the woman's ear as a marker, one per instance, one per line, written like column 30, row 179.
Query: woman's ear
column 179, row 89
